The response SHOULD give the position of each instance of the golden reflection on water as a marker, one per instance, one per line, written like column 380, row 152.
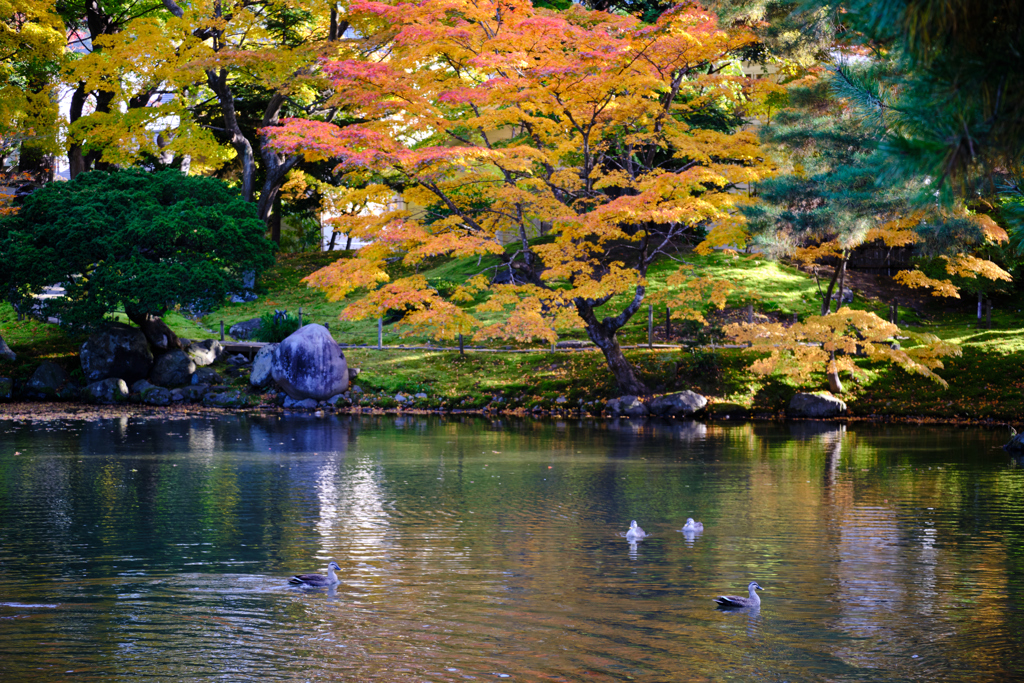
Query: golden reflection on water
column 481, row 550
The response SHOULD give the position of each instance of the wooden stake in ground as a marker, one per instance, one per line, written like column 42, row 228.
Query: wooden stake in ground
column 650, row 326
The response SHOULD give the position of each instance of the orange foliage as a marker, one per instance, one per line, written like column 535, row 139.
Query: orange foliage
column 803, row 348
column 493, row 119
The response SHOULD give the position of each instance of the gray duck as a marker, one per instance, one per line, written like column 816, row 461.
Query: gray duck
column 733, row 601
column 692, row 526
column 635, row 533
column 318, row 579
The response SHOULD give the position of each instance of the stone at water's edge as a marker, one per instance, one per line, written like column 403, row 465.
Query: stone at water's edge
column 117, row 351
column 50, row 381
column 310, row 364
column 110, row 390
column 631, row 406
column 303, row 404
column 192, row 393
column 232, row 398
column 151, row 394
column 205, row 352
column 815, row 405
column 6, row 388
column 681, row 404
column 262, row 366
column 172, row 369
column 157, row 396
column 140, row 386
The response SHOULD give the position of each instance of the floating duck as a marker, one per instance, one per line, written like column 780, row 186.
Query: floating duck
column 635, row 533
column 733, row 601
column 692, row 526
column 318, row 579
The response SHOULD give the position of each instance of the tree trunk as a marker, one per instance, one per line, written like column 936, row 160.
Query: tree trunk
column 276, row 167
column 76, row 160
column 826, row 303
column 218, row 82
column 834, row 383
column 621, row 368
column 842, row 281
column 158, row 334
column 603, row 333
column 274, row 221
column 100, row 24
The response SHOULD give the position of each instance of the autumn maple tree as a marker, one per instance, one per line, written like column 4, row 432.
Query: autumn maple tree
column 191, row 86
column 492, row 121
column 32, row 45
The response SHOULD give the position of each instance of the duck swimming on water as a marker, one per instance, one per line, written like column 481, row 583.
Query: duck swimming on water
column 318, row 579
column 692, row 525
column 635, row 533
column 734, row 601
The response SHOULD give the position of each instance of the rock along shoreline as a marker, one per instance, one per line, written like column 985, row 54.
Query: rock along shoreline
column 42, row 411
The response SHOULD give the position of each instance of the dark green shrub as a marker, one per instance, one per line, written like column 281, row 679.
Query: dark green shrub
column 130, row 241
column 274, row 327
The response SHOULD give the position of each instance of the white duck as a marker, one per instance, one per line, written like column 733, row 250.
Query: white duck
column 635, row 533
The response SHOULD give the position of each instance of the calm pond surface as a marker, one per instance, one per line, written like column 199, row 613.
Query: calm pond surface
column 154, row 549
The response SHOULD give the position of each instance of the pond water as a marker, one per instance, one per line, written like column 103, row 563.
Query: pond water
column 151, row 549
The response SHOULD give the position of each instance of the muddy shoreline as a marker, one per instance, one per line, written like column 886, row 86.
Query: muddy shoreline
column 43, row 411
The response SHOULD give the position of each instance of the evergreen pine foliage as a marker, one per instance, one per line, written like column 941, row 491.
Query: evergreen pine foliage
column 836, row 187
column 956, row 73
column 130, row 240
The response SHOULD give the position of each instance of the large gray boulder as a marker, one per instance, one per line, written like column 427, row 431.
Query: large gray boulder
column 1014, row 445
column 815, row 405
column 6, row 353
column 172, row 369
column 262, row 367
column 116, row 351
column 205, row 352
column 310, row 364
column 245, row 329
column 110, row 390
column 630, row 406
column 50, row 381
column 682, row 404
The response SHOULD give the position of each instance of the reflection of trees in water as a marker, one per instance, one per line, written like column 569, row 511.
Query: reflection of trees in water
column 915, row 546
column 194, row 490
column 844, row 530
